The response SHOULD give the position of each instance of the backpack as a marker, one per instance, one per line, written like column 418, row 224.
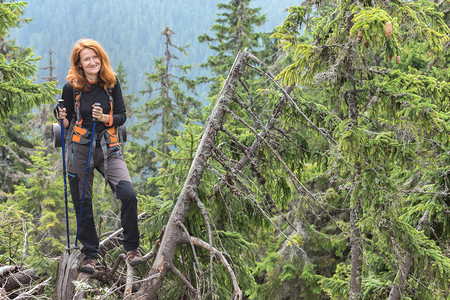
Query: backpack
column 113, row 135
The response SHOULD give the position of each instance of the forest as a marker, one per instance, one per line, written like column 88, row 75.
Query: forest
column 310, row 160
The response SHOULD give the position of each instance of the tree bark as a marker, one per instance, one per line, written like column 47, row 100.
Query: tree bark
column 67, row 272
column 173, row 232
column 403, row 272
column 356, row 248
column 355, row 231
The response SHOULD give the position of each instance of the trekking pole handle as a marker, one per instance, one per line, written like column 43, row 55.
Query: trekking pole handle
column 59, row 105
column 96, row 104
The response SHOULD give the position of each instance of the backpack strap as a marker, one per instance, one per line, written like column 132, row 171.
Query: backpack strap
column 76, row 97
column 111, row 103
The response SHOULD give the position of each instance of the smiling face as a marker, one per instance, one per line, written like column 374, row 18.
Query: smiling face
column 91, row 64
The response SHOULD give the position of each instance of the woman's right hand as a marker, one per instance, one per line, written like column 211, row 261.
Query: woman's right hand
column 61, row 113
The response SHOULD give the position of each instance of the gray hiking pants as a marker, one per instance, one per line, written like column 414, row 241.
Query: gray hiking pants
column 118, row 178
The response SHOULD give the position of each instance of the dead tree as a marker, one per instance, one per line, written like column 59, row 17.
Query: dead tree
column 174, row 233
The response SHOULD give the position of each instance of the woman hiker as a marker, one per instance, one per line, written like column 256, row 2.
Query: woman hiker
column 93, row 94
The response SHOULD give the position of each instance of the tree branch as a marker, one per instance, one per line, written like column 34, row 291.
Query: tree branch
column 238, row 193
column 185, row 281
column 129, row 282
column 237, row 293
column 36, row 289
column 267, row 73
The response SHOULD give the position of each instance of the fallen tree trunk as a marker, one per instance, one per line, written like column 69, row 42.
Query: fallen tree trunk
column 173, row 234
column 16, row 280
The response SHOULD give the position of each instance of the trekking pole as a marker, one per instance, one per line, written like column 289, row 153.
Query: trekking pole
column 86, row 174
column 61, row 106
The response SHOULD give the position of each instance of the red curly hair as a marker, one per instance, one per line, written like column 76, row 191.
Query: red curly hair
column 76, row 77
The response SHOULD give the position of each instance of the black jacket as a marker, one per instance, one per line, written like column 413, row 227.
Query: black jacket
column 87, row 100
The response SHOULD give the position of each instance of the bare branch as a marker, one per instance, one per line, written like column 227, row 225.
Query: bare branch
column 152, row 253
column 237, row 293
column 3, row 294
column 25, row 241
column 250, row 108
column 18, row 279
column 185, row 281
column 17, row 157
column 109, row 242
column 36, row 289
column 248, row 195
column 200, row 271
column 119, row 259
column 277, row 155
column 208, row 229
column 7, row 269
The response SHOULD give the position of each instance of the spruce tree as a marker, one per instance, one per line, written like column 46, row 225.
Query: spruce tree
column 384, row 125
column 234, row 31
column 173, row 104
column 18, row 95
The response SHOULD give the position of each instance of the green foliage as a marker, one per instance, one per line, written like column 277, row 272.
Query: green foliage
column 390, row 125
column 10, row 16
column 18, row 93
column 374, row 289
column 41, row 195
column 337, row 287
column 13, row 223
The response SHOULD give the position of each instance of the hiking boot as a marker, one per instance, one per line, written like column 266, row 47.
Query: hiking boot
column 134, row 257
column 88, row 265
